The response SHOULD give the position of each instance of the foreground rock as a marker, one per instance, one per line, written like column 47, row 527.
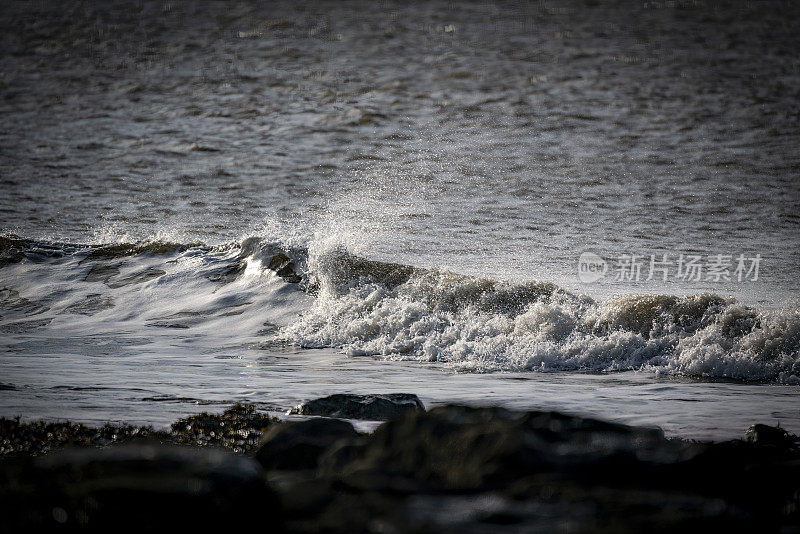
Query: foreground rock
column 239, row 429
column 370, row 407
column 452, row 469
column 459, row 469
column 142, row 486
column 299, row 444
column 457, row 448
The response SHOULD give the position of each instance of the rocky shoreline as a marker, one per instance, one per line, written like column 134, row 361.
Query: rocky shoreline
column 449, row 469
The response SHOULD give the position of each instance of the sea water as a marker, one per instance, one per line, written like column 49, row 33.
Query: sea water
column 574, row 207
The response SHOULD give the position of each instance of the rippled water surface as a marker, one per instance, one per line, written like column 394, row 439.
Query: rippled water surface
column 497, row 141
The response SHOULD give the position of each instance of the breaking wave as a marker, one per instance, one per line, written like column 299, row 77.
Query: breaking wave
column 396, row 311
column 479, row 324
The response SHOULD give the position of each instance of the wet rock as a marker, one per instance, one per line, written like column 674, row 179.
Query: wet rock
column 370, row 407
column 462, row 469
column 239, row 428
column 18, row 438
column 771, row 435
column 340, row 453
column 756, row 480
column 452, row 469
column 463, row 448
column 299, row 444
column 144, row 485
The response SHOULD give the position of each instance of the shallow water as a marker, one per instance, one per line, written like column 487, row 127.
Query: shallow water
column 498, row 141
column 276, row 382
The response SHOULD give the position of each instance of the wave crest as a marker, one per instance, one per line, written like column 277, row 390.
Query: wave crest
column 368, row 307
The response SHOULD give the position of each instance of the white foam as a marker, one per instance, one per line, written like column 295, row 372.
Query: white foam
column 476, row 325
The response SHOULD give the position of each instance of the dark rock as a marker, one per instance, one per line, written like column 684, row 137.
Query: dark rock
column 462, row 448
column 239, row 428
column 134, row 486
column 763, row 479
column 770, row 435
column 461, row 469
column 36, row 437
column 341, row 453
column 299, row 444
column 453, row 469
column 371, row 407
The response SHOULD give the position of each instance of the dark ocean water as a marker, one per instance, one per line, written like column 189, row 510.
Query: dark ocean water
column 479, row 148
